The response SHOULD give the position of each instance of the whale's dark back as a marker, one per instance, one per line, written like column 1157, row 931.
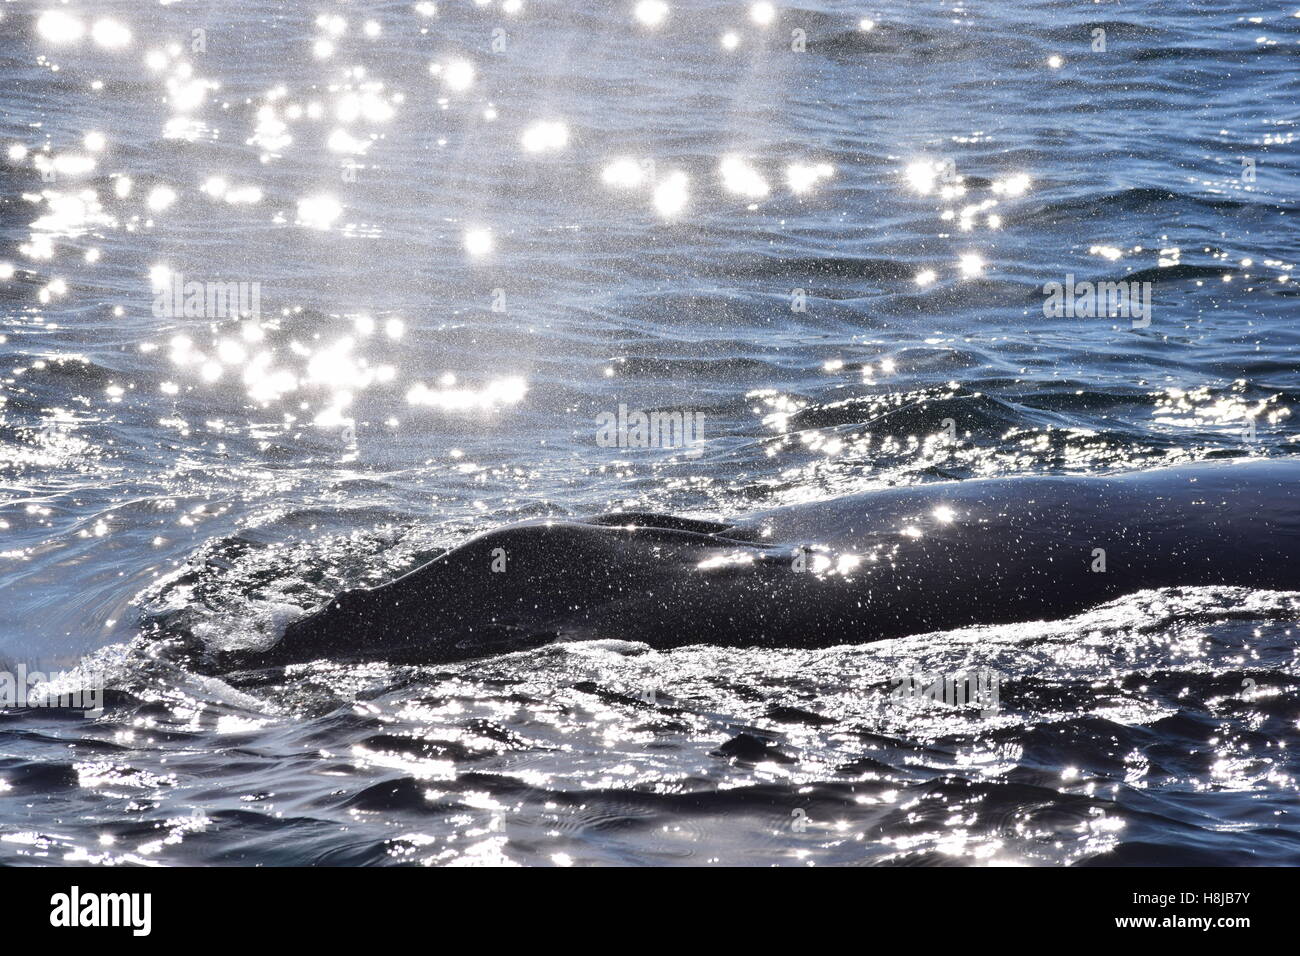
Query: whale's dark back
column 845, row 571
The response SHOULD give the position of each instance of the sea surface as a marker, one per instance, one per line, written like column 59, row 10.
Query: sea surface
column 460, row 234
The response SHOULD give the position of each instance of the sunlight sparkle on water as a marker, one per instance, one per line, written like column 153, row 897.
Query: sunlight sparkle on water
column 366, row 103
column 1016, row 185
column 496, row 394
column 456, row 75
column 671, row 195
column 802, row 177
column 243, row 195
column 971, row 264
column 58, row 26
column 651, row 12
column 110, row 34
column 341, row 141
column 479, row 242
column 741, row 178
column 923, row 174
column 332, row 24
column 545, row 136
column 318, row 211
column 160, row 198
column 623, row 173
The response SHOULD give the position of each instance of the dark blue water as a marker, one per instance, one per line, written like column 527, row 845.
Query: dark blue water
column 832, row 242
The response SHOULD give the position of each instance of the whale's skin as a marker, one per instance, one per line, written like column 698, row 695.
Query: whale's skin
column 850, row 570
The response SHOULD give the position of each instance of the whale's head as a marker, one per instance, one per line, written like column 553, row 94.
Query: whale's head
column 404, row 626
column 510, row 589
column 497, row 593
column 346, row 625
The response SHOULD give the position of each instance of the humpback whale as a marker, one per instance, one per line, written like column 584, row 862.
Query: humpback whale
column 874, row 565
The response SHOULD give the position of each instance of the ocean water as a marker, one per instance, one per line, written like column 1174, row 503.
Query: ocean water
column 464, row 232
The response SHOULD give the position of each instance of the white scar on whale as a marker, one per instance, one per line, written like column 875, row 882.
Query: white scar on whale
column 849, row 570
